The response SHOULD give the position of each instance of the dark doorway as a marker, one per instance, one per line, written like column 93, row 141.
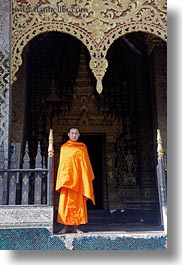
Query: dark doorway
column 126, row 96
column 96, row 144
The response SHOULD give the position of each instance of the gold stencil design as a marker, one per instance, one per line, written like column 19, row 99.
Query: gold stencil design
column 97, row 24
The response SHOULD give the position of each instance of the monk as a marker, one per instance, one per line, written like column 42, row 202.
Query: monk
column 74, row 183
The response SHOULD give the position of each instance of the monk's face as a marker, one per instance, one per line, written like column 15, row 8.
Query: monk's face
column 73, row 134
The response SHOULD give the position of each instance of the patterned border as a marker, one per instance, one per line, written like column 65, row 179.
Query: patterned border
column 4, row 74
column 41, row 239
column 19, row 216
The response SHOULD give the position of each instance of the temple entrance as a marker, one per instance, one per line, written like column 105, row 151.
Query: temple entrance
column 117, row 125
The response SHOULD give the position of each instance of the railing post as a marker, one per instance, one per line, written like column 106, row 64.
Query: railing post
column 50, row 165
column 44, row 182
column 38, row 177
column 161, row 178
column 13, row 176
column 25, row 177
column 1, row 174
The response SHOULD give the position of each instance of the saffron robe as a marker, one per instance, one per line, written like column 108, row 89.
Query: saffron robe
column 74, row 182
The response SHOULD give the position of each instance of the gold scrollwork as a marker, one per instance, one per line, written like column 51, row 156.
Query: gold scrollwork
column 97, row 24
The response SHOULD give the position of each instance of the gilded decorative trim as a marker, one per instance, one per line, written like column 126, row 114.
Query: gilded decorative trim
column 97, row 24
column 160, row 150
column 51, row 146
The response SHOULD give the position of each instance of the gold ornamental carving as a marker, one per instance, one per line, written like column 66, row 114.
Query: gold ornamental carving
column 51, row 144
column 97, row 24
column 160, row 150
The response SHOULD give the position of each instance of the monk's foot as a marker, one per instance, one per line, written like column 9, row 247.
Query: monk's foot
column 78, row 231
column 63, row 231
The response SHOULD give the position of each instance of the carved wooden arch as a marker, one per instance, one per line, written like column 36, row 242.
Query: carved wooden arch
column 98, row 62
column 18, row 47
column 126, row 29
column 105, row 21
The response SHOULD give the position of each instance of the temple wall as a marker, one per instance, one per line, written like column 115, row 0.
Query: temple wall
column 93, row 27
column 19, row 104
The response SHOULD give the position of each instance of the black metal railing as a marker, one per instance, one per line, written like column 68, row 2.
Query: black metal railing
column 24, row 186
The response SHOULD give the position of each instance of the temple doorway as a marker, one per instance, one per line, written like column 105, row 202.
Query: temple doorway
column 56, row 89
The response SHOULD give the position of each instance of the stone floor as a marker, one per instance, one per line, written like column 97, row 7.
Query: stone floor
column 43, row 239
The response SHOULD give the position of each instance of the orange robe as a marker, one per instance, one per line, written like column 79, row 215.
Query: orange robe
column 74, row 182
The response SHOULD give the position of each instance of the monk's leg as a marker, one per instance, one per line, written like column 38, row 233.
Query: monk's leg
column 64, row 230
column 77, row 230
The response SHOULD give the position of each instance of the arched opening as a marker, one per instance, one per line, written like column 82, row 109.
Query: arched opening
column 136, row 73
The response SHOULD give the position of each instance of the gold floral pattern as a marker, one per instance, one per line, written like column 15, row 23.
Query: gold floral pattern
column 97, row 24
